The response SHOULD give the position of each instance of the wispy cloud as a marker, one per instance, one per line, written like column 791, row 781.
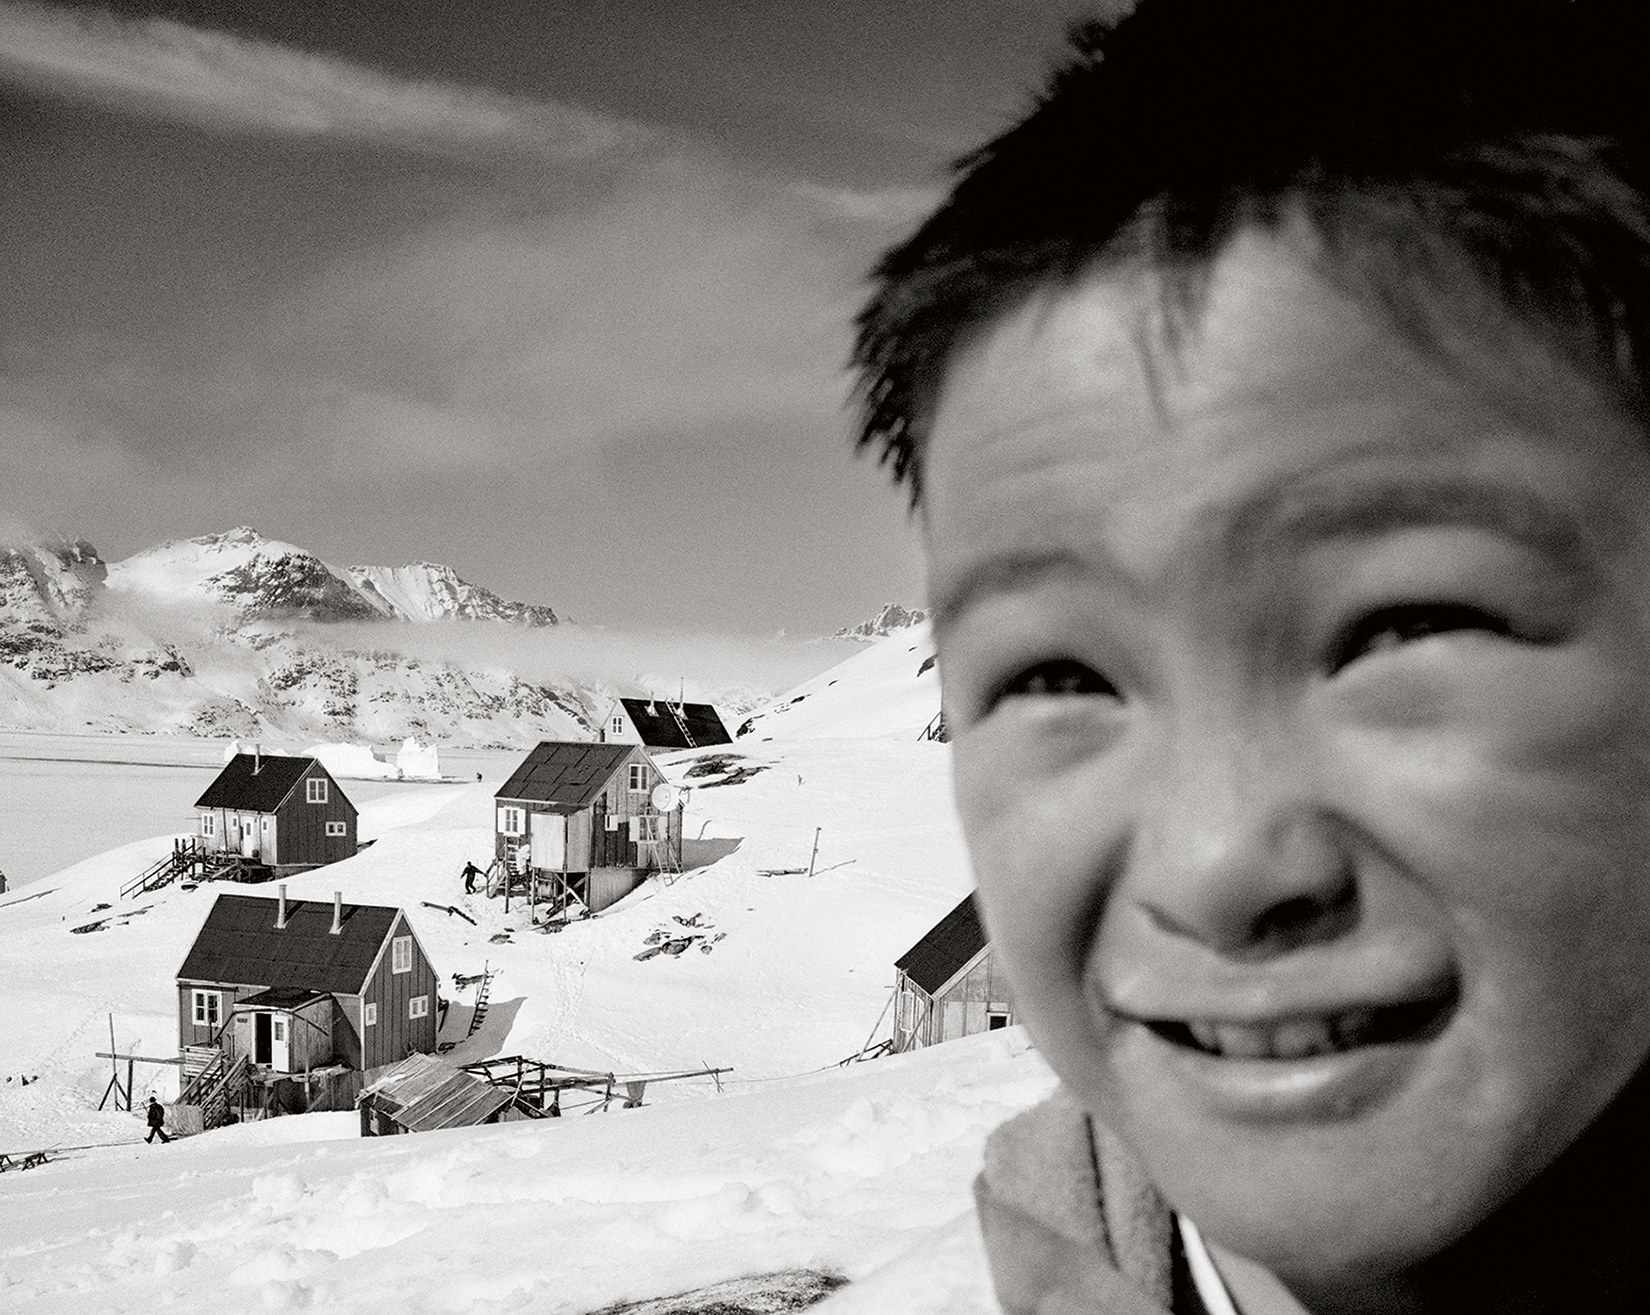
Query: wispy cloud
column 885, row 205
column 227, row 83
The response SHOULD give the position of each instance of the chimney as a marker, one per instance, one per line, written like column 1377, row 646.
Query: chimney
column 337, row 911
column 280, row 907
column 257, row 758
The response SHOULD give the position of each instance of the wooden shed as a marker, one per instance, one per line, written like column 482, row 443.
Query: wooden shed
column 285, row 813
column 588, row 821
column 946, row 985
column 422, row 1093
column 297, row 987
column 661, row 726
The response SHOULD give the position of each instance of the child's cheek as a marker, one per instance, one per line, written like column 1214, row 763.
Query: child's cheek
column 1522, row 781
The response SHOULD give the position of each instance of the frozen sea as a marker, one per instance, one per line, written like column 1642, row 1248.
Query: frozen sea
column 64, row 798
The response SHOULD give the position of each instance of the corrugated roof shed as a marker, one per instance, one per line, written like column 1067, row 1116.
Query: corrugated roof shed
column 567, row 772
column 261, row 791
column 240, row 943
column 666, row 725
column 939, row 956
column 421, row 1094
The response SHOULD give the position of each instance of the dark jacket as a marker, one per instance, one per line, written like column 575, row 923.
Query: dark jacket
column 157, row 1115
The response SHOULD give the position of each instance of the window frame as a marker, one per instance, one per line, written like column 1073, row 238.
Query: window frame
column 418, row 1007
column 512, row 819
column 337, row 829
column 638, row 778
column 206, row 1007
column 617, row 726
column 209, row 825
column 401, row 959
column 369, row 1014
column 315, row 789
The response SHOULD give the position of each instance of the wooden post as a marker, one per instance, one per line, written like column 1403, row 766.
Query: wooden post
column 815, row 854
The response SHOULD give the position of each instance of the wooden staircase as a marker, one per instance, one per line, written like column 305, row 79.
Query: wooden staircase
column 188, row 858
column 215, row 1087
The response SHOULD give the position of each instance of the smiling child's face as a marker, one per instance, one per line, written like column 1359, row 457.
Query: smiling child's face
column 1300, row 689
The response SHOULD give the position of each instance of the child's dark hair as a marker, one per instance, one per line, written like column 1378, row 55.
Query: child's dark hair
column 1427, row 144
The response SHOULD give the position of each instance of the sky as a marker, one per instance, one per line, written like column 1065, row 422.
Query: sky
column 558, row 294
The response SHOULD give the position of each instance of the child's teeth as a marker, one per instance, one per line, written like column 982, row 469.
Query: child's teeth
column 1301, row 1037
column 1242, row 1042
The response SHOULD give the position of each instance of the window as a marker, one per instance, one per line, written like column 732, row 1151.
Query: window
column 270, row 822
column 509, row 821
column 369, row 1015
column 647, row 827
column 638, row 776
column 315, row 790
column 418, row 1006
column 401, row 954
column 334, row 828
column 208, row 1008
column 612, row 821
column 209, row 824
column 618, row 726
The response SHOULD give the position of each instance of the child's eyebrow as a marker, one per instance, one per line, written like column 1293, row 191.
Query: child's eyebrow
column 1291, row 518
column 1017, row 572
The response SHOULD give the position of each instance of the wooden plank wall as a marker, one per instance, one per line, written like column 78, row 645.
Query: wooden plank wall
column 396, row 1035
column 301, row 830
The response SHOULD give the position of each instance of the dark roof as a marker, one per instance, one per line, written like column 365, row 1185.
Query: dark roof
column 939, row 956
column 238, row 786
column 570, row 772
column 666, row 725
column 241, row 944
column 421, row 1093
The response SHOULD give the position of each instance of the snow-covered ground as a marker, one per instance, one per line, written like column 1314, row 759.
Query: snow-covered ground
column 795, row 1163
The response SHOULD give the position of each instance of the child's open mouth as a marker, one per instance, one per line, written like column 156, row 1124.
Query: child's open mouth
column 1307, row 1036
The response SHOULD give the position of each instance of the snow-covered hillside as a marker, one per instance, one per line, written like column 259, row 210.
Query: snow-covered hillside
column 796, row 1164
column 891, row 690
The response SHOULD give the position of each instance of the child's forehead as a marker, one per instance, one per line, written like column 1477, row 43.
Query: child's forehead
column 1269, row 341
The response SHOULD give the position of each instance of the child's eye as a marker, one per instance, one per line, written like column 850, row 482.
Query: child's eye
column 1390, row 627
column 1058, row 677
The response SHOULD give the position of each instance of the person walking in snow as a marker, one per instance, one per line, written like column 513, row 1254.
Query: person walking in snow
column 470, row 873
column 157, row 1120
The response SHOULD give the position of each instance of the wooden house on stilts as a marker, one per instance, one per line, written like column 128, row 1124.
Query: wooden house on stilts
column 946, row 985
column 587, row 822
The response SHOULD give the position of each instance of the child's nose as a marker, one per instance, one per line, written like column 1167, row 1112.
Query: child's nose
column 1244, row 876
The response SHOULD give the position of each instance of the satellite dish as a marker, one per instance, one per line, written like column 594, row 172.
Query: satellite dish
column 665, row 796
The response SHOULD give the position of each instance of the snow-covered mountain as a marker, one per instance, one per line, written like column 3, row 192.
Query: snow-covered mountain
column 425, row 591
column 49, row 583
column 889, row 691
column 85, row 645
column 891, row 619
column 261, row 577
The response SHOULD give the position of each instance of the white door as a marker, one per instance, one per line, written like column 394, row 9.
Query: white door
column 280, row 1043
column 549, row 836
column 249, row 837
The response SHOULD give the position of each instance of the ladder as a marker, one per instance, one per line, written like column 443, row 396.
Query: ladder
column 480, row 1015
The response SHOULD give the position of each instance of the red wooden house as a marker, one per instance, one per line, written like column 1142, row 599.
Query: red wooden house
column 284, row 813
